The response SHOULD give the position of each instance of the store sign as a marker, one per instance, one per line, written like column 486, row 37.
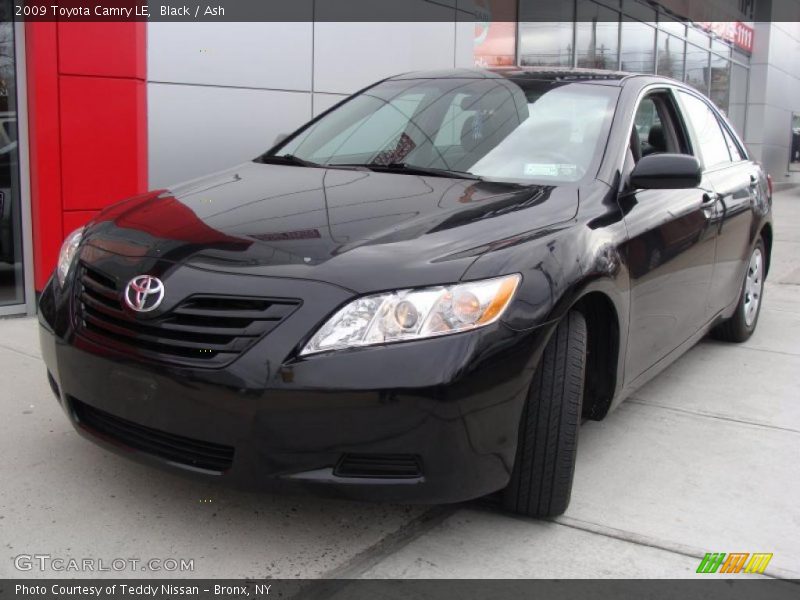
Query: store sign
column 738, row 33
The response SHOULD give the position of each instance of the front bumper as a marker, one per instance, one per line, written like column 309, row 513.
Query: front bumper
column 453, row 403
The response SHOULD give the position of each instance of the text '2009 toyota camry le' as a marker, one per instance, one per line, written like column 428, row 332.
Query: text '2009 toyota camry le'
column 418, row 295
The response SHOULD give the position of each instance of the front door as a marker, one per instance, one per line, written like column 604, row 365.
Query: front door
column 735, row 180
column 671, row 245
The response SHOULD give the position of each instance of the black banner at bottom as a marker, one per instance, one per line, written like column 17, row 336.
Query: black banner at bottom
column 394, row 589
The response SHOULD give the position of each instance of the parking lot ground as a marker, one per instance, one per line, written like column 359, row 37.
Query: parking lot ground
column 705, row 458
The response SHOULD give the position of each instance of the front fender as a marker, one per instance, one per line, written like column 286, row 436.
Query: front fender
column 558, row 268
column 563, row 267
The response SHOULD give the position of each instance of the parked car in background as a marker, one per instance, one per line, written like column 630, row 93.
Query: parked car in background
column 418, row 295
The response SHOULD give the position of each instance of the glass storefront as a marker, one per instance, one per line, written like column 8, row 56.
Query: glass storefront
column 671, row 51
column 597, row 36
column 11, row 269
column 697, row 67
column 638, row 47
column 634, row 36
column 720, row 78
column 546, row 43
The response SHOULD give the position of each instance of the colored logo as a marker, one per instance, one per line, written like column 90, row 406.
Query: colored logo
column 144, row 293
column 735, row 562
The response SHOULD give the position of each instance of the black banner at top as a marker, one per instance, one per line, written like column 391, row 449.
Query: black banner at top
column 399, row 10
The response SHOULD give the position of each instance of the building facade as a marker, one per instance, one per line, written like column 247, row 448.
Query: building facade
column 96, row 112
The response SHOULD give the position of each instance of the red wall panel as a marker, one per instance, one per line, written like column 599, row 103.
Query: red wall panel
column 102, row 140
column 41, row 49
column 87, row 125
column 105, row 49
column 73, row 219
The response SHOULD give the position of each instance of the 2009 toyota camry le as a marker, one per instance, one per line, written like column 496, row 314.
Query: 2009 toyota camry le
column 420, row 294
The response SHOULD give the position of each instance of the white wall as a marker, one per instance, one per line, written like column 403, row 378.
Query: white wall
column 774, row 93
column 219, row 93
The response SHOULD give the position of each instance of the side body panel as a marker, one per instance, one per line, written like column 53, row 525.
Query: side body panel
column 670, row 257
column 736, row 187
column 725, row 215
column 652, row 254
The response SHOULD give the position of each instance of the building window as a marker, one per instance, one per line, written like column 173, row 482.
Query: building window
column 638, row 47
column 698, row 37
column 737, row 103
column 545, row 44
column 670, row 56
column 597, row 36
column 11, row 268
column 720, row 79
column 672, row 26
column 697, row 68
column 634, row 36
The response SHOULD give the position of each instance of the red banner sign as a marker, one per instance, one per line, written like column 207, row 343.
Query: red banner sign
column 738, row 33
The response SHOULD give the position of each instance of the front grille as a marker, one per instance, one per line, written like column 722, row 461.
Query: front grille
column 205, row 330
column 379, row 466
column 175, row 448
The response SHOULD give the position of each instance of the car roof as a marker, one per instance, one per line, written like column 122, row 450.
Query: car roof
column 577, row 74
column 561, row 74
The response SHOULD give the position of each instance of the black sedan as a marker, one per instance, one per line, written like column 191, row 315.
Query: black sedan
column 418, row 295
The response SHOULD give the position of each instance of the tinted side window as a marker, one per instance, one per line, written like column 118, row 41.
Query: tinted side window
column 646, row 120
column 707, row 132
column 656, row 129
column 733, row 147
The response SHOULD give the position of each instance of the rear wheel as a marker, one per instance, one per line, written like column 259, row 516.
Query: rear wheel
column 541, row 481
column 743, row 322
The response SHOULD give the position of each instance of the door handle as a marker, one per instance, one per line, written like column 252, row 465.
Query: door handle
column 709, row 204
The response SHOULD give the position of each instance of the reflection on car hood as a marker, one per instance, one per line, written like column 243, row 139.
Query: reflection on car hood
column 355, row 228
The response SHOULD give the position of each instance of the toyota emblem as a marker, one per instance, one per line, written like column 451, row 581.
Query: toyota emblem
column 144, row 293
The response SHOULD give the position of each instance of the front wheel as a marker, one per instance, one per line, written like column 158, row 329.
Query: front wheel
column 541, row 481
column 743, row 322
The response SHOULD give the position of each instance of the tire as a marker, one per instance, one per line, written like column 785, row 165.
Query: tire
column 743, row 323
column 541, row 480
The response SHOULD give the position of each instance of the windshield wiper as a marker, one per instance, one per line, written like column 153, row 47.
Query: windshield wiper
column 291, row 159
column 287, row 159
column 412, row 170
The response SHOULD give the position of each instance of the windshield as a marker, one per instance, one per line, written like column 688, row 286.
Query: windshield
column 496, row 128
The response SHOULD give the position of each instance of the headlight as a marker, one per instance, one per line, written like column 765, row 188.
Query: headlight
column 415, row 314
column 67, row 254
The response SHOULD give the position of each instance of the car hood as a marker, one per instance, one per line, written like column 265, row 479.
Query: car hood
column 358, row 229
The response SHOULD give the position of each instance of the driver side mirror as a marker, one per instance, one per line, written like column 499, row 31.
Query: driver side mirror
column 279, row 138
column 666, row 172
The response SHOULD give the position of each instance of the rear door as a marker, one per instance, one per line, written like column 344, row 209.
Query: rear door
column 670, row 250
column 735, row 180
